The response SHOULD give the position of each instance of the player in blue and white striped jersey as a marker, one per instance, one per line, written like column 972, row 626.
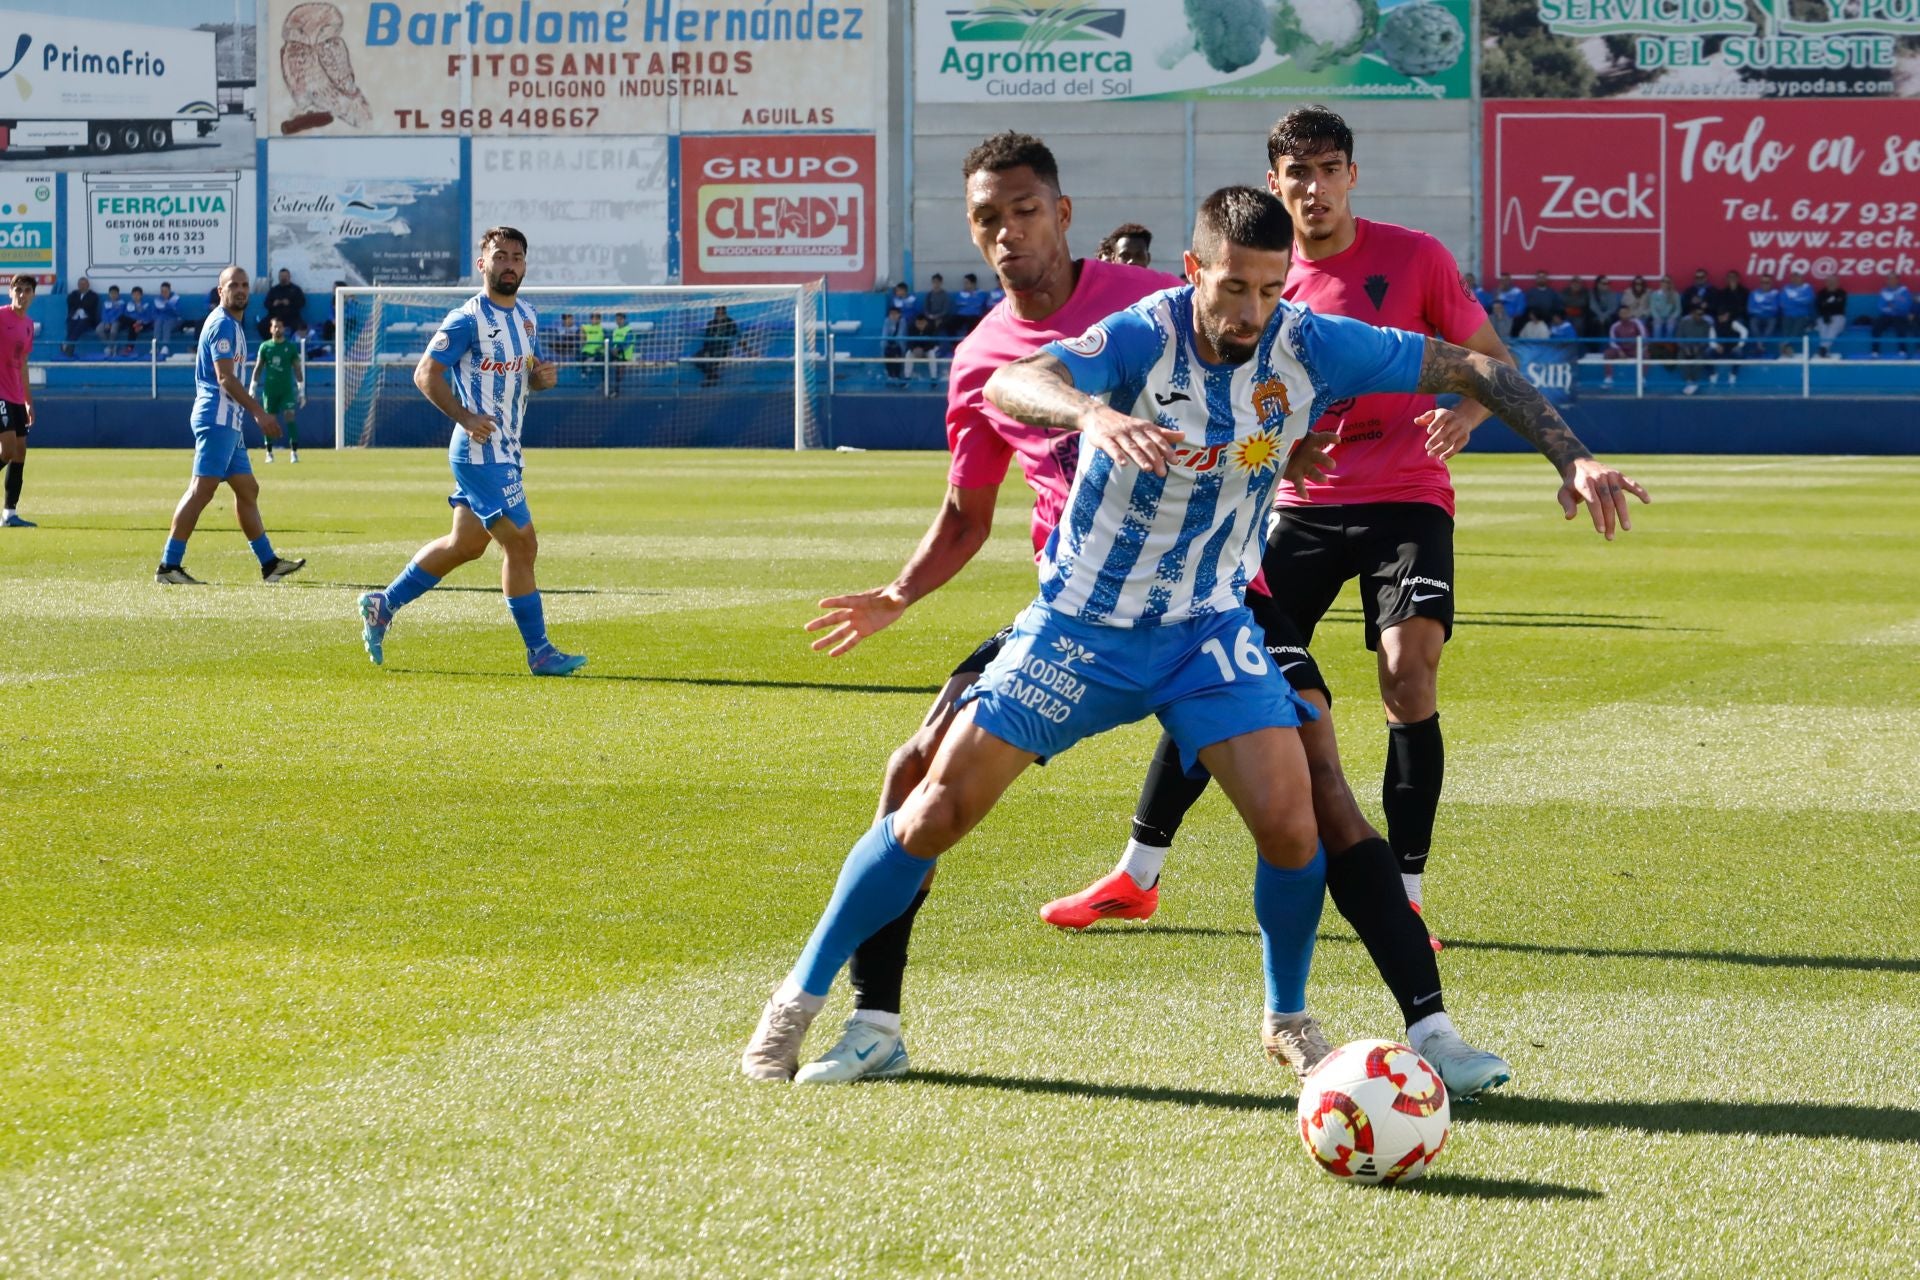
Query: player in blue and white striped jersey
column 478, row 370
column 1205, row 396
column 221, row 406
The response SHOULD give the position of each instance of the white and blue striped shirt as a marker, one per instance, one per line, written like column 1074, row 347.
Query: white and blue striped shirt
column 485, row 348
column 221, row 338
column 1138, row 550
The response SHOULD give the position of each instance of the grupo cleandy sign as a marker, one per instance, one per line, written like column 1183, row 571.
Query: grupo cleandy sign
column 759, row 209
column 517, row 67
column 1776, row 188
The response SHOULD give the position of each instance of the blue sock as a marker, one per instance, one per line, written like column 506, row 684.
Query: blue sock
column 877, row 883
column 262, row 549
column 531, row 619
column 176, row 551
column 1287, row 905
column 412, row 583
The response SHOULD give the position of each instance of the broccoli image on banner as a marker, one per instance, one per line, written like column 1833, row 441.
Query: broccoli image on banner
column 1420, row 39
column 1318, row 33
column 1227, row 33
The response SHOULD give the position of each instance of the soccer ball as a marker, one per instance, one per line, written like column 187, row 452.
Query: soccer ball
column 1374, row 1111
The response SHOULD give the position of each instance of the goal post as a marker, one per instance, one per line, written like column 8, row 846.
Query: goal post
column 639, row 366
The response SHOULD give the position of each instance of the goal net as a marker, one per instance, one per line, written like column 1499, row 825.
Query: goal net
column 692, row 366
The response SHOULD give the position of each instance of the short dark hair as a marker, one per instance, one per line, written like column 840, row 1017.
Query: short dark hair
column 1126, row 231
column 1012, row 150
column 24, row 279
column 1246, row 216
column 492, row 234
column 1306, row 132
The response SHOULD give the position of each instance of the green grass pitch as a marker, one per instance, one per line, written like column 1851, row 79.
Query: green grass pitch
column 308, row 968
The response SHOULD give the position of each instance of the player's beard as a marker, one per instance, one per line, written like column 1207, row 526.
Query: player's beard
column 502, row 286
column 1229, row 350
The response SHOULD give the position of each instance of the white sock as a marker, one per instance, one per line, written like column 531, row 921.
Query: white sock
column 7, row 514
column 790, row 993
column 1413, row 887
column 1417, row 1033
column 1142, row 862
column 889, row 1022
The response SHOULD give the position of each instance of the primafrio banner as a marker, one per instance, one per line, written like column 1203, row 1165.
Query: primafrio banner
column 1662, row 188
column 416, row 68
column 1066, row 51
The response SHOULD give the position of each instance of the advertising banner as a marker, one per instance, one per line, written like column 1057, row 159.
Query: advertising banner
column 383, row 211
column 1549, row 367
column 1065, row 51
column 1700, row 48
column 1653, row 188
column 777, row 209
column 180, row 227
column 587, row 67
column 29, row 240
column 594, row 209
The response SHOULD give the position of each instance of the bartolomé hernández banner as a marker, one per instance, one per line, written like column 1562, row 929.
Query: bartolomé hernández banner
column 1700, row 48
column 1066, row 51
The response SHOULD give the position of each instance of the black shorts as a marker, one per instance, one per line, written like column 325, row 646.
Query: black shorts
column 976, row 662
column 13, row 418
column 1402, row 552
column 1286, row 646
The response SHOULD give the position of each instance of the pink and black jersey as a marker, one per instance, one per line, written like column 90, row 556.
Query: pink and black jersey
column 1395, row 278
column 16, row 344
column 981, row 438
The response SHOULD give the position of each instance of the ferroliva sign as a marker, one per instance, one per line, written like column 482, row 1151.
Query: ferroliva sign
column 1065, row 51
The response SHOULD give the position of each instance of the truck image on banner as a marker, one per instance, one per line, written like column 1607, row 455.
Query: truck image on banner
column 104, row 87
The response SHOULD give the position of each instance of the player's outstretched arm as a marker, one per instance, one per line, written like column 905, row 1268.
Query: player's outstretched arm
column 957, row 533
column 1448, row 430
column 1040, row 392
column 430, row 379
column 1504, row 390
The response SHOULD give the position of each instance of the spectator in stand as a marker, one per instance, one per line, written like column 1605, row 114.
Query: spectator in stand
column 1567, row 329
column 1896, row 314
column 1730, row 335
column 1663, row 309
column 1636, row 300
column 1796, row 313
column 1701, row 291
column 139, row 319
column 970, row 304
column 1606, row 307
column 593, row 345
column 565, row 341
column 1763, row 315
column 995, row 295
column 166, row 317
column 1694, row 333
column 1624, row 338
column 1731, row 299
column 327, row 334
column 1535, row 328
column 287, row 303
column 1576, row 302
column 1543, row 299
column 1129, row 243
column 1502, row 322
column 902, row 306
column 722, row 334
column 1513, row 300
column 1830, row 311
column 923, row 343
column 938, row 305
column 83, row 314
column 1471, row 283
column 113, row 311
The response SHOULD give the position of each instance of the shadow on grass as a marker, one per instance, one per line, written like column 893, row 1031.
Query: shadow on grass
column 1550, row 620
column 492, row 588
column 708, row 682
column 1441, row 1184
column 1686, row 1115
column 1877, row 964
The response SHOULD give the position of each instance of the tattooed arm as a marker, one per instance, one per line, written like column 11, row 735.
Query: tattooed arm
column 1506, row 391
column 1039, row 392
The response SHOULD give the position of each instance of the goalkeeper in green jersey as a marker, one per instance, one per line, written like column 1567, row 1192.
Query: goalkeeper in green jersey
column 281, row 385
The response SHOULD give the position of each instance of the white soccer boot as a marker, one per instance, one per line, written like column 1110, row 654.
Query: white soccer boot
column 867, row 1051
column 1465, row 1070
column 774, row 1051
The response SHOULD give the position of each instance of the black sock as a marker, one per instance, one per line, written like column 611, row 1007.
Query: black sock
column 1410, row 792
column 880, row 963
column 16, row 472
column 1364, row 882
column 1165, row 797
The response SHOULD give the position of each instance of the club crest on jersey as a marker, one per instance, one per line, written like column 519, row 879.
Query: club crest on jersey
column 528, row 326
column 1270, row 400
column 441, row 341
column 1090, row 343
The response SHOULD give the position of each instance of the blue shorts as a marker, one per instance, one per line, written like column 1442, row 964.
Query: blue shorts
column 220, row 452
column 1059, row 680
column 490, row 490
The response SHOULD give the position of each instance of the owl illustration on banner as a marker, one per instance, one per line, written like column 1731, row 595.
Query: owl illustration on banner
column 317, row 71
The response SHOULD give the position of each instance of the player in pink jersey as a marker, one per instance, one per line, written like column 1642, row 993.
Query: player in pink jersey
column 1018, row 219
column 16, row 395
column 1383, row 514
